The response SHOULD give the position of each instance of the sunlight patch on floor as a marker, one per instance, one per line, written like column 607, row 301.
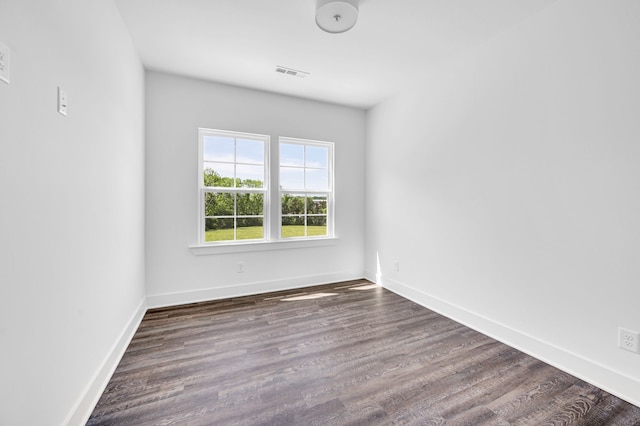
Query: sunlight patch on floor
column 280, row 297
column 309, row 297
column 365, row 287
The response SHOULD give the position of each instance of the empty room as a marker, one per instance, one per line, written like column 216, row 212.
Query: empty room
column 323, row 212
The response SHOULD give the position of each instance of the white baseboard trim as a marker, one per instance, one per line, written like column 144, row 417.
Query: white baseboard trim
column 80, row 413
column 193, row 296
column 373, row 277
column 604, row 377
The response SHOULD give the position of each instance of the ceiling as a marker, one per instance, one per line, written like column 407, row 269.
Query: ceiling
column 240, row 42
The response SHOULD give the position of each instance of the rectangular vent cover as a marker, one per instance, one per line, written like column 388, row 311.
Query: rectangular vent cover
column 291, row 72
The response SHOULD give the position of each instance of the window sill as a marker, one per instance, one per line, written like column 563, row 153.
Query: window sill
column 207, row 249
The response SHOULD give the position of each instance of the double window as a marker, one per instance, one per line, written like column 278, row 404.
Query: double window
column 240, row 200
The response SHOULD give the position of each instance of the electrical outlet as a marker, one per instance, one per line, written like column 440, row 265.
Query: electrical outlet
column 4, row 63
column 240, row 267
column 396, row 266
column 629, row 340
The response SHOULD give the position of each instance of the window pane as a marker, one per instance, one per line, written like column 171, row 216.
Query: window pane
column 250, row 204
column 249, row 151
column 291, row 178
column 218, row 204
column 250, row 228
column 218, row 148
column 210, row 177
column 317, row 205
column 317, row 179
column 218, row 230
column 293, row 226
column 293, row 204
column 317, row 156
column 291, row 154
column 250, row 176
column 209, row 204
column 218, row 174
column 316, row 226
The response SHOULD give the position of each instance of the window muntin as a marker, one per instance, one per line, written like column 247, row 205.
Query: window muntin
column 306, row 188
column 233, row 186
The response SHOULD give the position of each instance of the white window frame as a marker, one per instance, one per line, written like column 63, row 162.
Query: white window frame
column 272, row 209
column 329, row 192
column 202, row 190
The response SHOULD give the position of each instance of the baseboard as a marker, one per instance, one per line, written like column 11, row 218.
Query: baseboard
column 373, row 277
column 592, row 372
column 84, row 407
column 180, row 298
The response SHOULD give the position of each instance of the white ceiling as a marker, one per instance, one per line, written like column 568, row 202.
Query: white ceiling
column 241, row 42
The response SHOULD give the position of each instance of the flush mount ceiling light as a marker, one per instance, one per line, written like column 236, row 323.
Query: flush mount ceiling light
column 336, row 16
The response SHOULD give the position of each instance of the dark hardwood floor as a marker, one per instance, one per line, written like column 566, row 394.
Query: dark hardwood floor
column 358, row 355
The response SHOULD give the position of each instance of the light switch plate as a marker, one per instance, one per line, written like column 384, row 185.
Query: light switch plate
column 4, row 63
column 62, row 101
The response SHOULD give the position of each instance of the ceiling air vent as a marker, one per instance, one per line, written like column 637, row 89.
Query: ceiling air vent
column 291, row 72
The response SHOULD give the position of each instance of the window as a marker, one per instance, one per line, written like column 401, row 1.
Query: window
column 306, row 188
column 236, row 198
column 233, row 186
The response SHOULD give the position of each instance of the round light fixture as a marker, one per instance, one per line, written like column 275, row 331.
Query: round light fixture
column 336, row 16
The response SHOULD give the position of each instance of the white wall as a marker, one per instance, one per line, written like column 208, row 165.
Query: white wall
column 176, row 107
column 72, row 205
column 507, row 186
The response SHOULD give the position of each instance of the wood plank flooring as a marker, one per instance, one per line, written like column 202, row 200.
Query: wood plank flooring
column 343, row 354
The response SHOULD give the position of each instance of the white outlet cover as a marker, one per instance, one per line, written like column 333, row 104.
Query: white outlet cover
column 4, row 63
column 629, row 340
